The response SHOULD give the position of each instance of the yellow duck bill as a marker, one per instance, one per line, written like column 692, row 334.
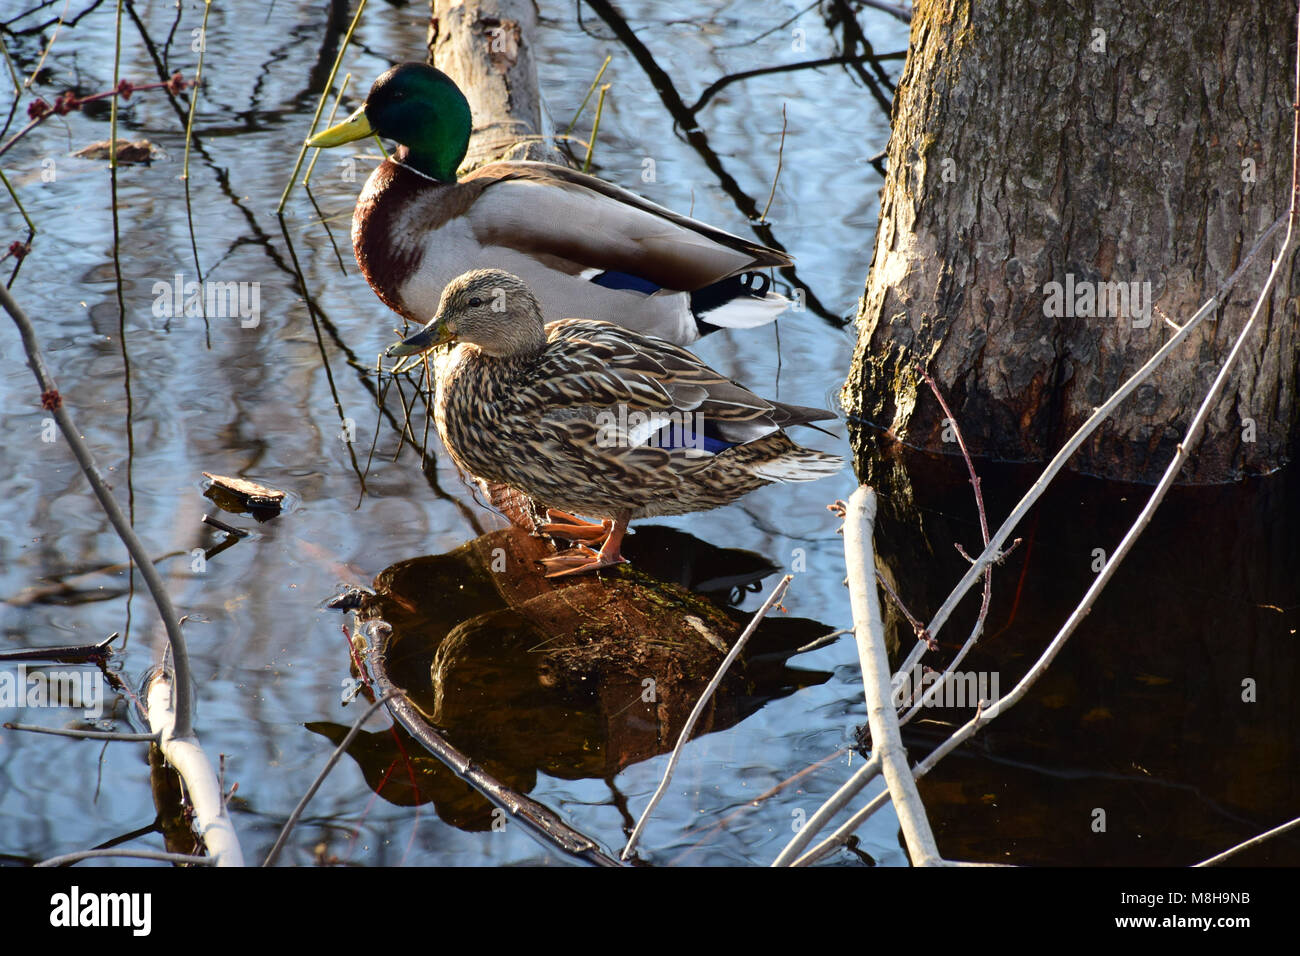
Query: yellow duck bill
column 355, row 127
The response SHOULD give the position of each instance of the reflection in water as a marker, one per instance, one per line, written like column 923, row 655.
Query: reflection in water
column 1172, row 709
column 574, row 678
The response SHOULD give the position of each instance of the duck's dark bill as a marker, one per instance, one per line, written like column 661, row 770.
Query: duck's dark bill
column 353, row 128
column 423, row 340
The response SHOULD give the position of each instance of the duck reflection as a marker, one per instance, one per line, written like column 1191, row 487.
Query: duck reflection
column 571, row 677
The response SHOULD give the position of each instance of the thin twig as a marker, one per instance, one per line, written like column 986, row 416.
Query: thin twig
column 40, row 111
column 1253, row 841
column 156, row 855
column 335, row 757
column 978, row 627
column 993, row 551
column 822, row 641
column 343, row 88
column 723, row 82
column 185, row 168
column 780, row 157
column 917, row 627
column 685, row 735
column 13, row 70
column 591, row 89
column 85, row 734
column 320, row 106
column 112, row 108
column 895, row 10
column 40, row 62
column 31, row 226
column 65, row 653
column 595, row 128
column 194, row 95
column 52, row 401
column 222, row 526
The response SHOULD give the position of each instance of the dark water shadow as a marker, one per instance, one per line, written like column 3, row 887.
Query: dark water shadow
column 1171, row 718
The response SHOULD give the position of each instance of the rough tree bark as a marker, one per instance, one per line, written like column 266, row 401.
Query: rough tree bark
column 1082, row 143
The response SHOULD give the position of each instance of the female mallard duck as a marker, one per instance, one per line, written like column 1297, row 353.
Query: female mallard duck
column 585, row 246
column 593, row 418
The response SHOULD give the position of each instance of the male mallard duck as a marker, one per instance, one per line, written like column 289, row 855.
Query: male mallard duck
column 596, row 419
column 585, row 246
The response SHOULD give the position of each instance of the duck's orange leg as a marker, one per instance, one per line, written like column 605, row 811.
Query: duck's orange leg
column 586, row 559
column 574, row 528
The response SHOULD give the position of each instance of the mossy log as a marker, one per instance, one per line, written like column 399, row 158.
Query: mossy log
column 579, row 676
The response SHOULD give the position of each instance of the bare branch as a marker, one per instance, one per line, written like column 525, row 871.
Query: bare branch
column 84, row 734
column 685, row 735
column 156, row 855
column 886, row 740
column 1253, row 841
column 338, row 753
column 52, row 401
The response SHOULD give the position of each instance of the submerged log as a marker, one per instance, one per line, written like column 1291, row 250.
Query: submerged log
column 576, row 677
column 486, row 46
column 1060, row 175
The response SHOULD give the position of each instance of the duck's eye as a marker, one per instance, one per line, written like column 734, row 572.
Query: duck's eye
column 475, row 302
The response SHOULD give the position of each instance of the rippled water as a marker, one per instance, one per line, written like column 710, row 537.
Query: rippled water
column 269, row 403
column 259, row 403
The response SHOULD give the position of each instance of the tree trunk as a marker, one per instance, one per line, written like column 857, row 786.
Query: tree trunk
column 1055, row 169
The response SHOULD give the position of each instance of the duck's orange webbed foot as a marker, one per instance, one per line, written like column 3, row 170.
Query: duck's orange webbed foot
column 574, row 528
column 585, row 559
column 579, row 561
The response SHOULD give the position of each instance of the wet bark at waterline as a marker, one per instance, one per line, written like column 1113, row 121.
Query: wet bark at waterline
column 1061, row 174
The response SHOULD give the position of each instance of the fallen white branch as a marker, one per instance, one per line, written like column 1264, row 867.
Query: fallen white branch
column 882, row 716
column 887, row 750
column 211, row 822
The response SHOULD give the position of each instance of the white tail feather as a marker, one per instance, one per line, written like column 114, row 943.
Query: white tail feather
column 803, row 464
column 746, row 312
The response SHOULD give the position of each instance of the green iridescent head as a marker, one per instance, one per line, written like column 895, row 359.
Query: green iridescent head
column 417, row 106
